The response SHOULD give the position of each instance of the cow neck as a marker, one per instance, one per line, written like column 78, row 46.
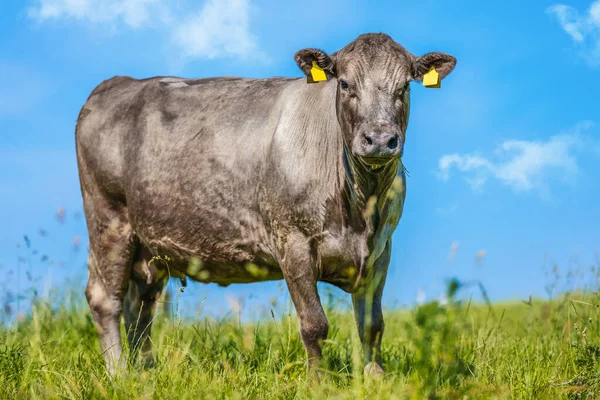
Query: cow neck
column 361, row 183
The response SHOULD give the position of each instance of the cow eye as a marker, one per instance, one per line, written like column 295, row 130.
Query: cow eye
column 343, row 84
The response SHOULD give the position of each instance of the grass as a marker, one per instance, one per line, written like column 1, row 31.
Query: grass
column 534, row 350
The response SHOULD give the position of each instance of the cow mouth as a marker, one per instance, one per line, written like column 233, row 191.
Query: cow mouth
column 375, row 163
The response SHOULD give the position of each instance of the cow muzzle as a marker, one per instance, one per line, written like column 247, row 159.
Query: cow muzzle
column 376, row 149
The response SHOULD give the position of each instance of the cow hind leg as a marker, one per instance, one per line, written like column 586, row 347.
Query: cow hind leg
column 145, row 286
column 112, row 244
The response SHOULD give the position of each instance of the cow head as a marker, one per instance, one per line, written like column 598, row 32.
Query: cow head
column 373, row 74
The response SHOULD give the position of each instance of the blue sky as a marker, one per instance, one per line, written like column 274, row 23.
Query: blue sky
column 503, row 159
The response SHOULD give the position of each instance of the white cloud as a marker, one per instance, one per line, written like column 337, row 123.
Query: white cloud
column 569, row 20
column 132, row 13
column 583, row 29
column 221, row 28
column 520, row 164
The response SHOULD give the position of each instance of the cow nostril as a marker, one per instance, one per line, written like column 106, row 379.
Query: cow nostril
column 393, row 143
column 368, row 140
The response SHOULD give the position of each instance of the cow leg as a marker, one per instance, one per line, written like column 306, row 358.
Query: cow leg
column 111, row 247
column 145, row 286
column 301, row 278
column 369, row 316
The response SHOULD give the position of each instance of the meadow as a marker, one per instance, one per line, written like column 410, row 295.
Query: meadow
column 535, row 349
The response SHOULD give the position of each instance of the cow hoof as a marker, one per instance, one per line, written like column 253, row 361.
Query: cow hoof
column 373, row 370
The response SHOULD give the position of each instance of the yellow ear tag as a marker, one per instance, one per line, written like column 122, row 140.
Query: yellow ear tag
column 317, row 73
column 432, row 79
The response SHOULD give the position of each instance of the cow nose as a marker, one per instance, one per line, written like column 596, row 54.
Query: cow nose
column 380, row 144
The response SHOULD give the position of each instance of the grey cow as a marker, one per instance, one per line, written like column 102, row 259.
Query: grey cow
column 241, row 180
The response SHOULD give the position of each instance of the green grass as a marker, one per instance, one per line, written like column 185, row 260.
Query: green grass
column 461, row 350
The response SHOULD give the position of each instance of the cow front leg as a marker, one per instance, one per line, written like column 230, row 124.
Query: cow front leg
column 311, row 319
column 301, row 278
column 369, row 315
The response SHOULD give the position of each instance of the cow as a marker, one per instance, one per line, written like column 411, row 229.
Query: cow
column 237, row 180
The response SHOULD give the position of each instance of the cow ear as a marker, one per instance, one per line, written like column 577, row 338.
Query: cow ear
column 443, row 63
column 305, row 57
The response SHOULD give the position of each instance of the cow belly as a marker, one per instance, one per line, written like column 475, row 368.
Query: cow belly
column 237, row 266
column 227, row 273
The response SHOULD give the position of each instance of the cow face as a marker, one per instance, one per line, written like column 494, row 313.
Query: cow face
column 373, row 96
